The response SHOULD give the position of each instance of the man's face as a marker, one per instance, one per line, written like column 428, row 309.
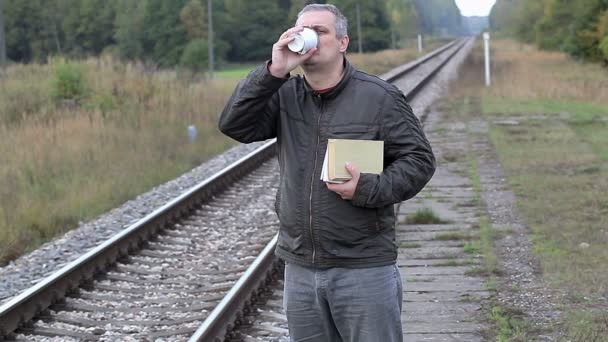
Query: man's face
column 330, row 47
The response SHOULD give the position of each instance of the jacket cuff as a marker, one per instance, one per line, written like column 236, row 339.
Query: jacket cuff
column 364, row 188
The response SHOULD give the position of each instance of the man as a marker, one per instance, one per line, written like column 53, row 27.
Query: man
column 338, row 240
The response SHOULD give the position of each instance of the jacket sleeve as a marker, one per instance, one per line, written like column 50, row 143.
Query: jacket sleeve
column 409, row 159
column 252, row 111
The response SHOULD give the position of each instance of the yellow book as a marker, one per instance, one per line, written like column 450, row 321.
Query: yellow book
column 366, row 155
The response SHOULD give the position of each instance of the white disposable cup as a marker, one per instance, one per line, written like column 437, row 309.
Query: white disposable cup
column 304, row 41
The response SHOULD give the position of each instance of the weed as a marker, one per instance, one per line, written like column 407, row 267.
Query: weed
column 69, row 82
column 452, row 236
column 472, row 247
column 409, row 245
column 456, row 262
column 425, row 216
column 510, row 326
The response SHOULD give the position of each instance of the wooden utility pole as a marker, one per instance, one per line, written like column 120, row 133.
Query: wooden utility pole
column 210, row 36
column 2, row 43
column 360, row 39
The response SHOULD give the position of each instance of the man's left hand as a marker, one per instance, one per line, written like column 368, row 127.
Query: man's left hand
column 346, row 190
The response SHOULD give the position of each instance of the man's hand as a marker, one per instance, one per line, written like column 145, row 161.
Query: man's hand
column 285, row 60
column 347, row 190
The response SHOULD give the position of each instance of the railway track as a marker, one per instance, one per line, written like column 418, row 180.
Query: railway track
column 201, row 267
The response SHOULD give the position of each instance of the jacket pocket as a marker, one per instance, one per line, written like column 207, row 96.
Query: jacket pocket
column 354, row 131
column 348, row 231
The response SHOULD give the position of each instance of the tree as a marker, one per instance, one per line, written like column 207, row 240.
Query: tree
column 440, row 17
column 576, row 27
column 193, row 17
column 89, row 26
column 375, row 23
column 254, row 28
column 2, row 43
column 165, row 36
column 23, row 23
column 403, row 19
column 129, row 29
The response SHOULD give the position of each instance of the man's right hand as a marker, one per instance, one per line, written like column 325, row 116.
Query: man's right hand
column 285, row 60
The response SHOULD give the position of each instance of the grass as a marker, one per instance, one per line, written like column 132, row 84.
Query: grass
column 556, row 161
column 62, row 163
column 425, row 216
column 456, row 262
column 510, row 324
column 453, row 236
column 409, row 245
column 587, row 326
column 237, row 72
column 67, row 161
column 473, row 247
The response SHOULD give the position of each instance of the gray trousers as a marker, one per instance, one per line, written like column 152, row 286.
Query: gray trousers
column 343, row 304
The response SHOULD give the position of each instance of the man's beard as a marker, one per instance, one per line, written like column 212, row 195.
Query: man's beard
column 309, row 62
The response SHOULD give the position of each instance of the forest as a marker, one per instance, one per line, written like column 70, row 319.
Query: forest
column 579, row 28
column 175, row 33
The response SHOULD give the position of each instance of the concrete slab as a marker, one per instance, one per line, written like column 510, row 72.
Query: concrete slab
column 442, row 337
column 445, row 296
column 443, row 286
column 410, row 272
column 445, row 328
column 407, row 262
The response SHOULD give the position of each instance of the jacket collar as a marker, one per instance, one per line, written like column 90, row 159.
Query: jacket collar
column 337, row 89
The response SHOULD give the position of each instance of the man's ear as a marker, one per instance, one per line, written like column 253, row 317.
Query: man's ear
column 344, row 44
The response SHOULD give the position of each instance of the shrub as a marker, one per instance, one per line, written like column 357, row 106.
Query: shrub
column 69, row 83
column 195, row 55
column 604, row 48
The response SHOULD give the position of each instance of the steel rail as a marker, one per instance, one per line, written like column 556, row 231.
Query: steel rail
column 32, row 301
column 398, row 72
column 25, row 306
column 219, row 323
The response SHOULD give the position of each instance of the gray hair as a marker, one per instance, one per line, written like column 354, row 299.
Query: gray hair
column 341, row 21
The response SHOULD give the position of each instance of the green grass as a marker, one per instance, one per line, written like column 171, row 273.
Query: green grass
column 510, row 325
column 425, row 216
column 562, row 187
column 456, row 262
column 409, row 245
column 472, row 247
column 583, row 326
column 453, row 236
column 235, row 72
column 574, row 111
column 62, row 164
column 419, row 280
column 556, row 161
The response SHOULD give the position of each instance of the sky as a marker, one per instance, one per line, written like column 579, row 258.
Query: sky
column 475, row 7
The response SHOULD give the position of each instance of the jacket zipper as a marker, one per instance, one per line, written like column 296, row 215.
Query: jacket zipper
column 312, row 180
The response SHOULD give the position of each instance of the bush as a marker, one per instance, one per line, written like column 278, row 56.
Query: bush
column 195, row 55
column 604, row 48
column 69, row 83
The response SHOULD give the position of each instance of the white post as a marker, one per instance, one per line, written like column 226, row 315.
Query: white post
column 419, row 43
column 486, row 45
